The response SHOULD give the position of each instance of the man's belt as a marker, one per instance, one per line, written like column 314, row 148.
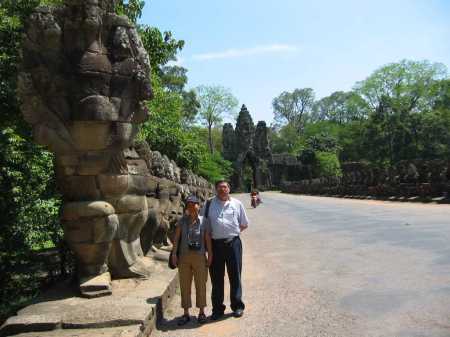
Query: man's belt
column 227, row 240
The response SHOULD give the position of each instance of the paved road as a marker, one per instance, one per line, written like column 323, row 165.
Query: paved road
column 338, row 267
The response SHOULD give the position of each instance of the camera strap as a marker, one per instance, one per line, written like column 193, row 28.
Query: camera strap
column 208, row 203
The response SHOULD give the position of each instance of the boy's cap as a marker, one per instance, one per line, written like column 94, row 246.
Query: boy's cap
column 193, row 199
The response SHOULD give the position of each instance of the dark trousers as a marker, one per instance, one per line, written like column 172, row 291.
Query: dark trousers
column 230, row 255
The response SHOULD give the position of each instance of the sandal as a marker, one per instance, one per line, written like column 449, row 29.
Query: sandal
column 201, row 319
column 183, row 320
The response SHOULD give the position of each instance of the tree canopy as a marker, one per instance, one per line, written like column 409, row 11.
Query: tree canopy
column 215, row 103
column 399, row 112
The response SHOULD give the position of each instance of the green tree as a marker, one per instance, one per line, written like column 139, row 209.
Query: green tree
column 28, row 203
column 293, row 107
column 327, row 164
column 162, row 47
column 215, row 103
column 131, row 8
column 340, row 107
column 285, row 139
column 408, row 85
column 191, row 106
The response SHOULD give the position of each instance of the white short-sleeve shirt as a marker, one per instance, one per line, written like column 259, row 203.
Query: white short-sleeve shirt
column 225, row 218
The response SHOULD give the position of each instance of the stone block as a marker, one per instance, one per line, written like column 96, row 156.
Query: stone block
column 93, row 62
column 152, row 203
column 132, row 250
column 137, row 185
column 96, row 108
column 92, row 84
column 130, row 225
column 94, row 163
column 115, row 20
column 124, row 331
column 91, row 257
column 91, row 230
column 140, row 115
column 124, row 134
column 125, row 260
column 80, row 231
column 78, row 188
column 153, row 183
column 86, row 209
column 137, row 166
column 96, row 286
column 131, row 203
column 127, row 109
column 126, row 313
column 112, row 185
column 91, row 136
column 67, row 160
column 49, row 137
column 130, row 153
column 27, row 323
column 105, row 232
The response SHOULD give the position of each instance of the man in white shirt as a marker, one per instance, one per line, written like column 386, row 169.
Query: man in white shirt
column 227, row 219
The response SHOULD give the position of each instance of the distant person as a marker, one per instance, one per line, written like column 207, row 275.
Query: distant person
column 255, row 198
column 194, row 238
column 227, row 219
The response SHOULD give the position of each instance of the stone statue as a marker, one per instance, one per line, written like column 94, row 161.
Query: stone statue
column 83, row 81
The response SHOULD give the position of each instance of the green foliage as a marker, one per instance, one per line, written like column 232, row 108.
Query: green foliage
column 400, row 112
column 216, row 134
column 340, row 107
column 286, row 140
column 163, row 130
column 191, row 106
column 408, row 85
column 161, row 46
column 293, row 107
column 214, row 167
column 327, row 165
column 166, row 132
column 131, row 8
column 28, row 214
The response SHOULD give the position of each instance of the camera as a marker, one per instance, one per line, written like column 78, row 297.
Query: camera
column 194, row 245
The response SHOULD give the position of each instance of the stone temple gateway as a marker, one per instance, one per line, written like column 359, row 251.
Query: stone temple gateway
column 83, row 82
column 248, row 146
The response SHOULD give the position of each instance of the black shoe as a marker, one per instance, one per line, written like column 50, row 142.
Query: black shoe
column 238, row 313
column 216, row 315
column 201, row 319
column 183, row 320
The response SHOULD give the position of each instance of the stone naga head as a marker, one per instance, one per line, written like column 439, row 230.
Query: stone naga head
column 85, row 74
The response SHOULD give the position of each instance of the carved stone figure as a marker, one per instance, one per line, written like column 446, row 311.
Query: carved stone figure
column 84, row 77
column 83, row 82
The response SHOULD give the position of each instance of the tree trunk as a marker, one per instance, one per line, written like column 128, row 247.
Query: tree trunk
column 210, row 141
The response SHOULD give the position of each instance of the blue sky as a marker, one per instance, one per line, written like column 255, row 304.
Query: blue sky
column 260, row 48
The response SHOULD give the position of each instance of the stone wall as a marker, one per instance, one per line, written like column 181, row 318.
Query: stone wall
column 285, row 167
column 408, row 180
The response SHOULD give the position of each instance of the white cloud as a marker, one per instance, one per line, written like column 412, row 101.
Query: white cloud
column 178, row 62
column 258, row 50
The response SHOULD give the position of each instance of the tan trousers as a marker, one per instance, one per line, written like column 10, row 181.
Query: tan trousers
column 193, row 265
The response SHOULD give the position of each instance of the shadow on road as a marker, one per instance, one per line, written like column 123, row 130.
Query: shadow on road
column 172, row 324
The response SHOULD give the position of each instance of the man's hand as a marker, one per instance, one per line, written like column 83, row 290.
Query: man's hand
column 243, row 227
column 175, row 260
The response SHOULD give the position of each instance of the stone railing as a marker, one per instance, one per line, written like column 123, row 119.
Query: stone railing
column 408, row 180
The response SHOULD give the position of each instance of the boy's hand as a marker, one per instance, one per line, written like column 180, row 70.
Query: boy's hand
column 209, row 261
